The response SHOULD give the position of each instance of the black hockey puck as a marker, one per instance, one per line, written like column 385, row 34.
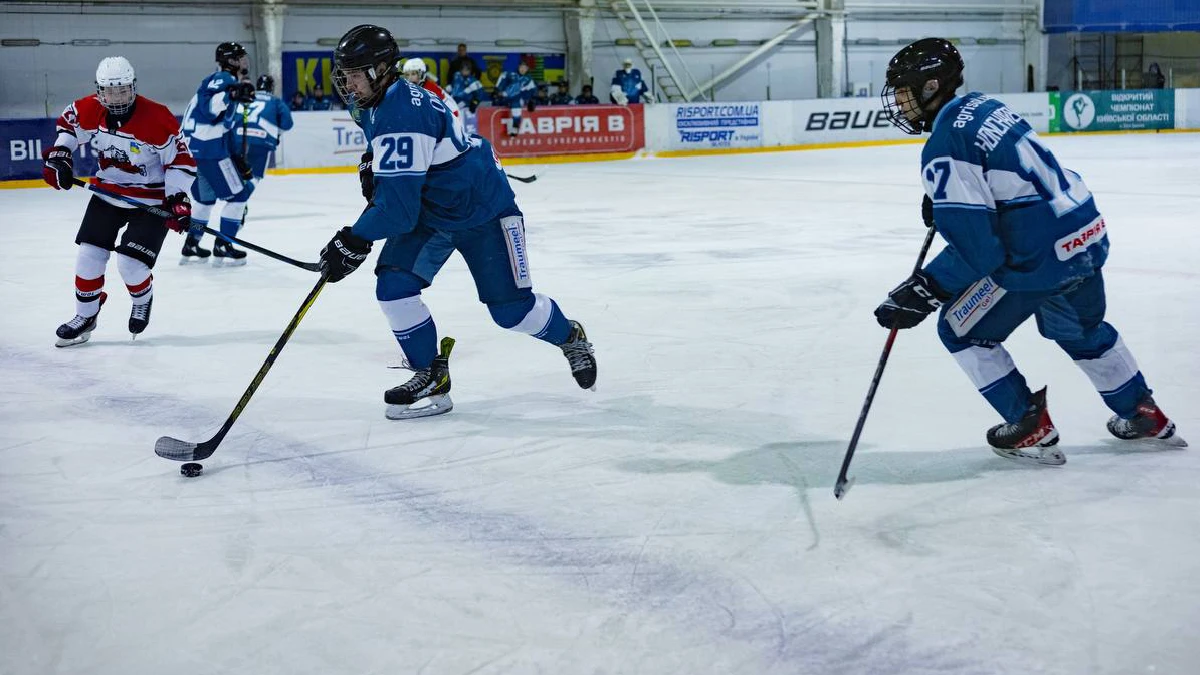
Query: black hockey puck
column 191, row 469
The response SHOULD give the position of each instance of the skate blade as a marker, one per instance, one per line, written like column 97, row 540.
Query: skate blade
column 229, row 262
column 192, row 260
column 436, row 405
column 60, row 342
column 1034, row 456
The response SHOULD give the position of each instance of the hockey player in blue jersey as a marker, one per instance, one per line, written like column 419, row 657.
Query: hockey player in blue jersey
column 223, row 172
column 433, row 190
column 515, row 90
column 266, row 119
column 1024, row 239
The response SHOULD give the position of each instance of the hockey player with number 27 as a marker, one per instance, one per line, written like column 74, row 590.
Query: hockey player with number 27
column 1025, row 239
column 141, row 155
column 432, row 190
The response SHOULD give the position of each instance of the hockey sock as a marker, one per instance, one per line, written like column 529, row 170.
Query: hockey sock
column 413, row 326
column 230, row 226
column 994, row 374
column 540, row 318
column 89, row 278
column 137, row 277
column 200, row 214
column 1115, row 375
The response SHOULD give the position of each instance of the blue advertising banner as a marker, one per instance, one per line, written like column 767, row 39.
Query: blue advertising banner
column 23, row 142
column 303, row 70
column 717, row 125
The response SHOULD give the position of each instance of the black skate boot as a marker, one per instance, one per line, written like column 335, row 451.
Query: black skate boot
column 431, row 384
column 225, row 254
column 79, row 330
column 139, row 318
column 1031, row 438
column 578, row 351
column 1150, row 423
column 192, row 253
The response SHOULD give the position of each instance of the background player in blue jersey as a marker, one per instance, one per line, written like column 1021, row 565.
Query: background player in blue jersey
column 515, row 90
column 223, row 173
column 1025, row 239
column 628, row 86
column 436, row 190
column 266, row 119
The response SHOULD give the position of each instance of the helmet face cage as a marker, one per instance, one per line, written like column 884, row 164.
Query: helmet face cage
column 368, row 52
column 898, row 112
column 376, row 78
column 905, row 102
column 117, row 98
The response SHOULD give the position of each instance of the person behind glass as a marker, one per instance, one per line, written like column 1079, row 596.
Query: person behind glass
column 461, row 59
column 297, row 102
column 515, row 90
column 628, row 86
column 1155, row 78
column 561, row 95
column 466, row 89
column 586, row 97
column 541, row 98
column 318, row 100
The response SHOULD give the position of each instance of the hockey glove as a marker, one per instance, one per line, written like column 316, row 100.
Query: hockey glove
column 243, row 167
column 473, row 105
column 366, row 177
column 343, row 254
column 909, row 303
column 242, row 92
column 927, row 211
column 180, row 208
column 59, row 169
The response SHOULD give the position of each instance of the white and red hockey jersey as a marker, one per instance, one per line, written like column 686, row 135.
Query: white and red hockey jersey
column 145, row 158
column 436, row 89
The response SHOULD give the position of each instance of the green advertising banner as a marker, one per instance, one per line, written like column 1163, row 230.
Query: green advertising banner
column 1113, row 110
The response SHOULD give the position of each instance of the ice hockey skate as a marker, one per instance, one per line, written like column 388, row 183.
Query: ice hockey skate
column 139, row 318
column 579, row 354
column 1031, row 438
column 427, row 393
column 79, row 329
column 192, row 253
column 1150, row 425
column 225, row 255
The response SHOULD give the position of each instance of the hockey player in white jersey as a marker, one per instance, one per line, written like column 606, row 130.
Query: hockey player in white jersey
column 1025, row 239
column 142, row 156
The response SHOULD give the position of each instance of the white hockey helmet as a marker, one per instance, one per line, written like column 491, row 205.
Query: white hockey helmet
column 116, row 84
column 414, row 70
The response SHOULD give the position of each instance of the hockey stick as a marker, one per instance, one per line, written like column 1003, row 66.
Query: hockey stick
column 182, row 451
column 524, row 179
column 154, row 210
column 843, row 484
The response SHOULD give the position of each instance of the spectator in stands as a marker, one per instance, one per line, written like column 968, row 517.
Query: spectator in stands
column 456, row 64
column 628, row 86
column 1155, row 78
column 541, row 98
column 318, row 100
column 585, row 96
column 561, row 95
column 466, row 89
column 297, row 101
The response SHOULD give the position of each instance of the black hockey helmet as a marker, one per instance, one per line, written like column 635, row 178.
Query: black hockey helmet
column 229, row 56
column 371, row 51
column 265, row 83
column 908, row 76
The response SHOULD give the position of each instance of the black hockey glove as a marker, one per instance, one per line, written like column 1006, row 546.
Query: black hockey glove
column 927, row 211
column 909, row 303
column 242, row 92
column 59, row 168
column 366, row 177
column 473, row 105
column 343, row 254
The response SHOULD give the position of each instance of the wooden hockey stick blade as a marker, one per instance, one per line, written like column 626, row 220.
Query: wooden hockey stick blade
column 523, row 179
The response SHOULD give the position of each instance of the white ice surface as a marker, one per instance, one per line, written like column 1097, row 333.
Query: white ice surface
column 679, row 520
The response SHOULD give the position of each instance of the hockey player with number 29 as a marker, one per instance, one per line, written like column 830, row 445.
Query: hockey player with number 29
column 433, row 190
column 1025, row 239
column 142, row 156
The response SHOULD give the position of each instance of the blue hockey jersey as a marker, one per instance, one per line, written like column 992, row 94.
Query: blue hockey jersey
column 427, row 169
column 515, row 88
column 466, row 90
column 631, row 84
column 1004, row 204
column 268, row 116
column 209, row 118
